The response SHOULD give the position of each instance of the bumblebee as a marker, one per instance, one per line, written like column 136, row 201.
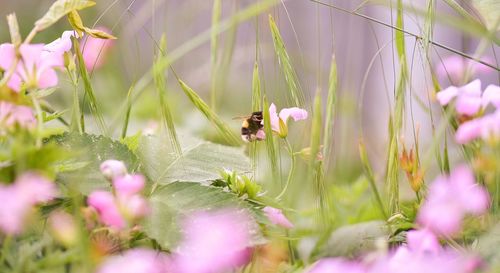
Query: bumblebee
column 252, row 128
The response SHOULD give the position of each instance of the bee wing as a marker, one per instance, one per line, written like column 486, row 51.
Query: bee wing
column 241, row 118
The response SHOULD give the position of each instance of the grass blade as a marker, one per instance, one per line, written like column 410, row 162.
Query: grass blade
column 216, row 14
column 271, row 149
column 371, row 177
column 89, row 91
column 221, row 126
column 296, row 95
column 331, row 105
column 256, row 94
column 127, row 113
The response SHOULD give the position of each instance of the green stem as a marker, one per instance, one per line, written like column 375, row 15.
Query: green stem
column 292, row 169
column 39, row 118
column 5, row 248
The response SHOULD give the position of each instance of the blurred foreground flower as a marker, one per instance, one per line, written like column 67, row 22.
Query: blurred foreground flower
column 276, row 217
column 18, row 199
column 454, row 67
column 279, row 122
column 449, row 199
column 35, row 68
column 95, row 50
column 214, row 242
column 336, row 265
column 63, row 228
column 126, row 205
column 137, row 261
column 12, row 115
column 487, row 128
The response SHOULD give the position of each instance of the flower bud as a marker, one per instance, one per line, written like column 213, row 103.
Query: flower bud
column 63, row 228
column 113, row 168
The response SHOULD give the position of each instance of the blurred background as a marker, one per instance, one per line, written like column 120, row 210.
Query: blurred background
column 313, row 33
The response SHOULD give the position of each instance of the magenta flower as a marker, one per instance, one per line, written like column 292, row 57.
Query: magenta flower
column 19, row 198
column 95, row 50
column 337, row 265
column 276, row 217
column 423, row 241
column 214, row 242
column 455, row 67
column 295, row 113
column 109, row 214
column 128, row 185
column 12, row 115
column 449, row 199
column 113, row 168
column 35, row 68
column 137, row 260
column 486, row 127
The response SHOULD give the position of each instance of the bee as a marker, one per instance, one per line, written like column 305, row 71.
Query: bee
column 252, row 128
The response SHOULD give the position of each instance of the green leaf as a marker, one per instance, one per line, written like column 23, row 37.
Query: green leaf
column 354, row 239
column 59, row 9
column 490, row 12
column 89, row 152
column 172, row 202
column 201, row 161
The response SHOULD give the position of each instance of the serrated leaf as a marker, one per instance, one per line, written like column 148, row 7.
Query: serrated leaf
column 89, row 152
column 172, row 202
column 59, row 9
column 201, row 161
column 490, row 12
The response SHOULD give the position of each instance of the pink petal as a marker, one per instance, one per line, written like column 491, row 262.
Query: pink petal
column 31, row 54
column 445, row 96
column 13, row 210
column 95, row 50
column 104, row 203
column 452, row 67
column 138, row 260
column 135, row 206
column 47, row 78
column 15, row 82
column 35, row 188
column 491, row 95
column 423, row 241
column 128, row 184
column 260, row 135
column 294, row 112
column 61, row 45
column 113, row 168
column 7, row 56
column 276, row 217
column 468, row 131
column 472, row 89
column 336, row 265
column 275, row 122
column 468, row 105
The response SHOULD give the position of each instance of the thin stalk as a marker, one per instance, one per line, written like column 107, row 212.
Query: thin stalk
column 292, row 168
column 39, row 118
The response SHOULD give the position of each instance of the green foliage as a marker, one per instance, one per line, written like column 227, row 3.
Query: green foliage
column 271, row 149
column 170, row 203
column 201, row 161
column 490, row 13
column 81, row 171
column 241, row 185
column 59, row 9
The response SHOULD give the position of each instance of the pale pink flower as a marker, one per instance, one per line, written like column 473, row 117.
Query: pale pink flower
column 214, row 242
column 113, row 168
column 19, row 198
column 276, row 217
column 468, row 97
column 63, row 228
column 491, row 95
column 139, row 260
column 11, row 115
column 105, row 205
column 486, row 127
column 129, row 184
column 95, row 50
column 36, row 66
column 337, row 265
column 295, row 113
column 450, row 199
column 133, row 207
column 423, row 241
column 454, row 68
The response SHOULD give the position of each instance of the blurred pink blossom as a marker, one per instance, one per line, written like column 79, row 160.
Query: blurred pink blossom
column 423, row 241
column 95, row 50
column 36, row 66
column 491, row 96
column 455, row 66
column 11, row 114
column 214, row 242
column 486, row 127
column 449, row 199
column 18, row 199
column 129, row 184
column 337, row 265
column 63, row 227
column 137, row 260
column 104, row 203
column 295, row 113
column 113, row 168
column 276, row 217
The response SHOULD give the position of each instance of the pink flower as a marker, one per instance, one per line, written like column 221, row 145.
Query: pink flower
column 128, row 185
column 11, row 114
column 486, row 127
column 36, row 66
column 468, row 101
column 95, row 50
column 455, row 67
column 113, row 168
column 449, row 199
column 137, row 260
column 337, row 265
column 423, row 241
column 214, row 242
column 19, row 198
column 63, row 228
column 276, row 217
column 295, row 113
column 109, row 213
column 491, row 95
